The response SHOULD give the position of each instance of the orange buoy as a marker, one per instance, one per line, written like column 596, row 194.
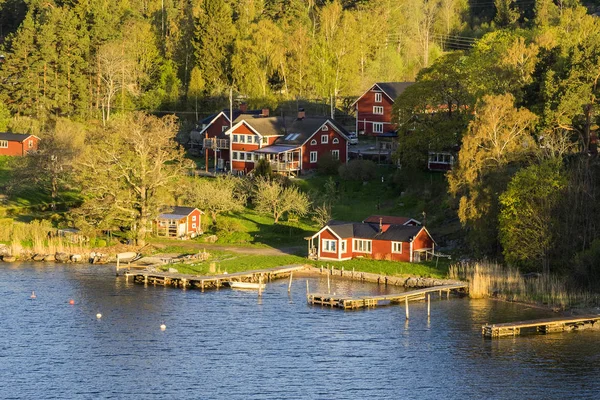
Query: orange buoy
column 71, row 302
column 33, row 296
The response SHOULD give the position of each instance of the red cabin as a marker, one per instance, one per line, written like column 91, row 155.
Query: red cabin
column 17, row 144
column 346, row 240
column 374, row 108
column 179, row 222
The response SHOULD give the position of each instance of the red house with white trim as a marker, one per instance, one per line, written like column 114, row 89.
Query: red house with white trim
column 338, row 241
column 292, row 145
column 374, row 108
column 179, row 222
column 17, row 144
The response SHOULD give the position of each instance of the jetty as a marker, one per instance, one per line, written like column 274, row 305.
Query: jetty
column 346, row 303
column 184, row 281
column 541, row 326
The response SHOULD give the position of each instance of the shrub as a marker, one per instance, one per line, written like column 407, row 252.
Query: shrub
column 358, row 170
column 327, row 165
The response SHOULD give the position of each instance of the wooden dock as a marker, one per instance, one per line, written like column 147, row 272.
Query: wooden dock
column 541, row 326
column 373, row 301
column 210, row 281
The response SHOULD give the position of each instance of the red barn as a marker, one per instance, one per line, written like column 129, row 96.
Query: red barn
column 17, row 144
column 374, row 108
column 346, row 240
column 292, row 145
column 179, row 222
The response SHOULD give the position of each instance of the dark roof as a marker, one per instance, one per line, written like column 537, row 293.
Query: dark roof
column 358, row 230
column 177, row 213
column 293, row 131
column 393, row 89
column 14, row 137
column 388, row 219
column 235, row 114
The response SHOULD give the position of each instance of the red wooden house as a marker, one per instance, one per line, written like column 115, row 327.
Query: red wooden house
column 374, row 108
column 179, row 222
column 17, row 144
column 292, row 145
column 379, row 241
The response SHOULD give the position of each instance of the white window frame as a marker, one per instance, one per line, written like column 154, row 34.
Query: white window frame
column 224, row 128
column 256, row 139
column 242, row 139
column 329, row 246
column 335, row 140
column 325, row 128
column 313, row 142
column 30, row 144
column 3, row 144
column 362, row 246
column 378, row 97
column 335, row 154
column 194, row 225
column 397, row 247
column 265, row 140
column 377, row 127
column 313, row 157
column 324, row 139
column 235, row 138
column 193, row 218
column 378, row 110
column 235, row 156
column 342, row 246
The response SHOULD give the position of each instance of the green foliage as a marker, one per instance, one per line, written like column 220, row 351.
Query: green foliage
column 263, row 169
column 358, row 170
column 327, row 165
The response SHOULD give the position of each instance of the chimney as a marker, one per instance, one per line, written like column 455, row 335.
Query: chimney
column 265, row 112
column 301, row 113
column 380, row 225
column 244, row 107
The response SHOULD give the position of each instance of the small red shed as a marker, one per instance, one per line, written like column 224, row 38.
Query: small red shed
column 17, row 144
column 179, row 222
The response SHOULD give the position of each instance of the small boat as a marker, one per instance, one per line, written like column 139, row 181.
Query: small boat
column 128, row 256
column 246, row 285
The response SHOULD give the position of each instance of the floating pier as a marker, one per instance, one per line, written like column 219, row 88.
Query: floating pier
column 210, row 281
column 541, row 326
column 373, row 301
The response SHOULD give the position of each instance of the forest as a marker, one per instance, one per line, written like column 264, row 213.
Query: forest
column 510, row 86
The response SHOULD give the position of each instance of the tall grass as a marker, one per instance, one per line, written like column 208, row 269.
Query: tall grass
column 34, row 236
column 494, row 280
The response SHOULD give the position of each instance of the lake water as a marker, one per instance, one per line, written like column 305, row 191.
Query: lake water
column 230, row 344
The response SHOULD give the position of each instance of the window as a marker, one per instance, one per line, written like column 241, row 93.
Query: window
column 335, row 154
column 235, row 155
column 256, row 139
column 313, row 156
column 265, row 140
column 30, row 144
column 329, row 246
column 441, row 158
column 325, row 128
column 193, row 217
column 235, row 138
column 378, row 110
column 361, row 246
column 242, row 138
column 224, row 128
column 4, row 144
column 377, row 127
column 194, row 225
column 343, row 246
column 397, row 247
column 313, row 142
column 324, row 139
column 335, row 141
column 377, row 97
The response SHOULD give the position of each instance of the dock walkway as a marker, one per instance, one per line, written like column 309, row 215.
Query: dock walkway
column 543, row 326
column 210, row 281
column 373, row 301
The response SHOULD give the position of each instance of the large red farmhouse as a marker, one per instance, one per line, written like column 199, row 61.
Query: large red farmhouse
column 292, row 145
column 374, row 108
column 380, row 241
column 17, row 144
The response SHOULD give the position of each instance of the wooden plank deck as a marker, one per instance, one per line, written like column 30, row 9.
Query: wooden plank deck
column 373, row 301
column 210, row 281
column 543, row 326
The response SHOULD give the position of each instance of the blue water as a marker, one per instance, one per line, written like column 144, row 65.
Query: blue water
column 231, row 344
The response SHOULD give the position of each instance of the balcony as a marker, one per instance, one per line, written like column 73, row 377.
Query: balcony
column 285, row 166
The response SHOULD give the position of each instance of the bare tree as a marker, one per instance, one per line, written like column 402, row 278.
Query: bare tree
column 273, row 198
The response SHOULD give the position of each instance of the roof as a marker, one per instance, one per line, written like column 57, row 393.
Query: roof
column 387, row 219
column 391, row 89
column 178, row 213
column 15, row 137
column 293, row 131
column 275, row 149
column 360, row 230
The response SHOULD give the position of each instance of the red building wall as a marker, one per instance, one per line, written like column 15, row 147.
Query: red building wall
column 365, row 116
column 20, row 148
column 422, row 241
column 190, row 222
column 326, row 234
column 245, row 166
column 322, row 149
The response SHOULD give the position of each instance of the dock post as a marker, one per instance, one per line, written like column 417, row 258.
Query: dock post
column 202, row 285
column 328, row 285
column 406, row 303
column 260, row 286
column 307, row 287
column 448, row 294
column 428, row 305
column 342, row 273
column 290, row 284
column 117, row 272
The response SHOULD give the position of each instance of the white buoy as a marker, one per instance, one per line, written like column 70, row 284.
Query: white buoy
column 98, row 315
column 33, row 296
column 163, row 327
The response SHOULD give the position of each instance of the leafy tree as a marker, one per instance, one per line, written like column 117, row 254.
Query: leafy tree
column 271, row 197
column 527, row 220
column 263, row 169
column 506, row 15
column 358, row 170
column 126, row 171
column 4, row 117
column 215, row 196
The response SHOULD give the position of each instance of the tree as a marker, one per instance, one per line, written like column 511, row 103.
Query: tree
column 215, row 196
column 115, row 72
column 273, row 198
column 263, row 169
column 126, row 171
column 527, row 220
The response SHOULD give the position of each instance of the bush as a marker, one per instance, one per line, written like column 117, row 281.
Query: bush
column 358, row 170
column 327, row 165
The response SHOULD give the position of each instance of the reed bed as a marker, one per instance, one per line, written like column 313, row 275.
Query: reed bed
column 493, row 280
column 36, row 237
